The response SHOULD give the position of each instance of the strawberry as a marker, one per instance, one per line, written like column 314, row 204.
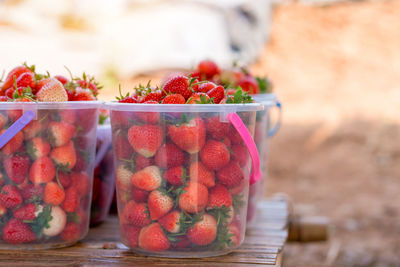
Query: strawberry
column 143, row 162
column 178, row 85
column 71, row 201
column 219, row 196
column 208, row 68
column 10, row 197
column 68, row 116
column 130, row 234
column 153, row 238
column 149, row 117
column 204, row 231
column 123, row 177
column 64, row 155
column 139, row 195
column 240, row 154
column 190, row 136
column 175, row 175
column 216, row 128
column 168, row 156
column 217, row 94
column 17, row 232
column 174, row 99
column 200, row 174
column 42, row 171
column 61, row 133
column 235, row 137
column 53, row 194
column 61, row 79
column 170, row 221
column 13, row 145
column 194, row 198
column 17, row 168
column 3, row 99
column 57, row 222
column 147, row 179
column 128, row 99
column 81, row 181
column 33, row 129
column 3, row 211
column 199, row 98
column 31, row 192
column 12, row 76
column 214, row 155
column 136, row 214
column 3, row 120
column 231, row 175
column 159, row 204
column 64, row 179
column 205, row 87
column 249, row 85
column 145, row 139
column 83, row 95
column 236, row 190
column 89, row 84
column 234, row 231
column 71, row 232
column 52, row 91
column 38, row 148
column 122, row 148
column 155, row 96
column 26, row 212
column 26, row 79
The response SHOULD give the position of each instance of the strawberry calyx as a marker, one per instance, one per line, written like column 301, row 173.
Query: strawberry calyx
column 223, row 238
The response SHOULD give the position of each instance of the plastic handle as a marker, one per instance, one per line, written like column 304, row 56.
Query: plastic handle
column 16, row 127
column 237, row 122
column 277, row 126
column 102, row 151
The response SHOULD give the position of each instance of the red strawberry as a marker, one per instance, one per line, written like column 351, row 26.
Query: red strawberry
column 26, row 79
column 231, row 175
column 52, row 91
column 143, row 162
column 17, row 168
column 236, row 190
column 12, row 76
column 68, row 116
column 249, row 85
column 3, row 120
column 240, row 154
column 136, row 214
column 194, row 199
column 10, row 93
column 14, row 114
column 3, row 99
column 13, row 145
column 33, row 129
column 215, row 155
column 216, row 128
column 32, row 191
column 174, row 99
column 85, row 84
column 42, row 171
column 175, row 175
column 190, row 136
column 203, row 232
column 81, row 181
column 208, row 68
column 53, row 194
column 145, row 139
column 64, row 179
column 122, row 148
column 235, row 232
column 61, row 133
column 71, row 201
column 64, row 155
column 159, row 204
column 219, row 196
column 155, row 96
column 83, row 95
column 147, row 179
column 152, row 238
column 182, row 243
column 178, row 85
column 26, row 212
column 17, row 232
column 217, row 93
column 199, row 98
column 205, row 87
column 227, row 142
column 10, row 196
column 71, row 232
column 170, row 221
column 148, row 117
column 168, row 156
column 38, row 148
column 200, row 174
column 235, row 137
column 61, row 79
column 130, row 234
column 139, row 195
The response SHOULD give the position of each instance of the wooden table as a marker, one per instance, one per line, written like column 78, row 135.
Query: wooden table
column 263, row 246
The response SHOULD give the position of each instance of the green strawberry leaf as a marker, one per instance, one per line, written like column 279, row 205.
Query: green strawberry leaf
column 31, row 150
column 73, row 217
column 264, row 84
column 239, row 97
column 223, row 238
column 42, row 221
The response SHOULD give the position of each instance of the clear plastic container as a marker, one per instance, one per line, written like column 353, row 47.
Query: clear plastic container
column 181, row 190
column 103, row 178
column 263, row 131
column 45, row 175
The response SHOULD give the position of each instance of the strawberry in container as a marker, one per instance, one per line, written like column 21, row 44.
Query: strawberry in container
column 181, row 189
column 47, row 151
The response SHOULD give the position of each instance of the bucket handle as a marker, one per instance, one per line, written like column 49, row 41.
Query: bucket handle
column 102, row 151
column 271, row 132
column 237, row 122
column 16, row 127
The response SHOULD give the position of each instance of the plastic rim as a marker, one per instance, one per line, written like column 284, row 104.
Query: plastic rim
column 268, row 100
column 50, row 105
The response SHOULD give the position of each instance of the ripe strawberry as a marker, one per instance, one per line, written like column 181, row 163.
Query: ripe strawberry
column 200, row 174
column 139, row 195
column 203, row 232
column 235, row 234
column 83, row 95
column 214, row 155
column 17, row 168
column 153, row 238
column 13, row 145
column 122, row 148
column 64, row 179
column 81, row 181
column 12, row 76
column 149, row 117
column 89, row 85
column 130, row 234
column 178, row 85
column 219, row 196
column 31, row 192
column 194, row 199
column 33, row 129
column 147, row 179
column 53, row 194
column 57, row 222
column 227, row 142
column 205, row 87
column 71, row 201
column 64, row 155
column 199, row 98
column 170, row 221
column 208, row 68
column 26, row 212
column 216, row 128
column 10, row 93
column 175, row 175
column 42, row 171
column 168, row 156
column 249, row 85
column 145, row 139
column 236, row 190
column 155, row 96
column 26, row 79
column 136, row 214
column 10, row 197
column 128, row 99
column 240, row 154
column 231, row 175
column 17, row 232
column 71, row 232
column 52, row 91
column 190, row 136
column 123, row 177
column 68, row 116
column 3, row 99
column 174, row 99
column 3, row 120
column 159, row 204
column 61, row 79
column 61, row 133
column 143, row 162
column 217, row 94
column 38, row 148
column 235, row 137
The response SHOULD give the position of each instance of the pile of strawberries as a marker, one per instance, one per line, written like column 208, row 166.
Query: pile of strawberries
column 23, row 84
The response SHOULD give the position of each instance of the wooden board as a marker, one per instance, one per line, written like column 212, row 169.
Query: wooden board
column 263, row 246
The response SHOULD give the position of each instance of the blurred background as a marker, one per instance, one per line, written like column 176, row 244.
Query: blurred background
column 335, row 66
